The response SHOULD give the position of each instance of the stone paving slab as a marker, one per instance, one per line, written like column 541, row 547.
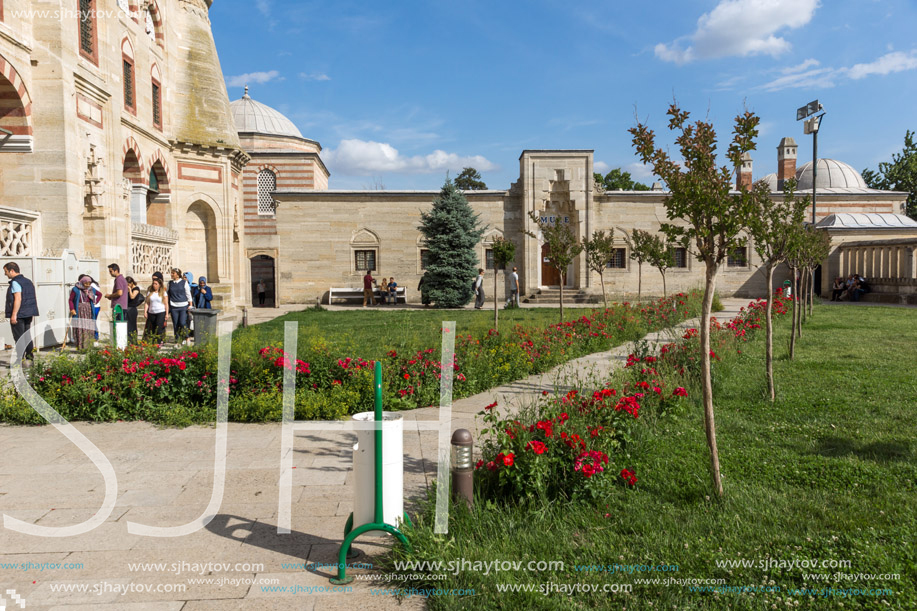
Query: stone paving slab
column 165, row 478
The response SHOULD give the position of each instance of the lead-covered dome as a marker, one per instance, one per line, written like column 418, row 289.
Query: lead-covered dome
column 832, row 174
column 254, row 117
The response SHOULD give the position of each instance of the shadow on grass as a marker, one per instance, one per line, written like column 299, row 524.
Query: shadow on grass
column 878, row 451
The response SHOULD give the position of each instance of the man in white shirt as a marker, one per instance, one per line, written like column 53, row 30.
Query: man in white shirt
column 513, row 288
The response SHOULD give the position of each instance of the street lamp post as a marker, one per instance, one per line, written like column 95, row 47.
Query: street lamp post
column 811, row 125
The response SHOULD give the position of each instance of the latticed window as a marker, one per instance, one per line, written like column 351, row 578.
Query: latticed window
column 87, row 27
column 489, row 258
column 364, row 260
column 619, row 259
column 681, row 257
column 738, row 257
column 128, row 84
column 157, row 107
column 267, row 182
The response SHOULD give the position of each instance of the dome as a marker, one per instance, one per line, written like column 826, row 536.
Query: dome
column 254, row 117
column 832, row 174
column 771, row 180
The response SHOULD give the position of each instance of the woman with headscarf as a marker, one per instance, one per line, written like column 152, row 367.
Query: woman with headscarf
column 83, row 299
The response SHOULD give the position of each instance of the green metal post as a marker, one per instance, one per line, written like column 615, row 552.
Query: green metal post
column 350, row 533
column 378, row 380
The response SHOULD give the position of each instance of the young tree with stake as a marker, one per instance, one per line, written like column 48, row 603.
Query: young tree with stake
column 600, row 251
column 564, row 248
column 504, row 251
column 771, row 230
column 641, row 243
column 713, row 215
column 662, row 257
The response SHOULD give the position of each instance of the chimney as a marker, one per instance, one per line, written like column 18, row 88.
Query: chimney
column 786, row 161
column 744, row 179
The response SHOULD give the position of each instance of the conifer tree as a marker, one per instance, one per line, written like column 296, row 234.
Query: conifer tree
column 451, row 232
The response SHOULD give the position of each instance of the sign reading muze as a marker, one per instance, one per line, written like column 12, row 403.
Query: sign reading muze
column 551, row 220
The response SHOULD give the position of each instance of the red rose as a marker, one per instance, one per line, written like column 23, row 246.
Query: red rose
column 508, row 459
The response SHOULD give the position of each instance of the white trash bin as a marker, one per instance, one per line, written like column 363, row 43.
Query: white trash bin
column 364, row 472
column 119, row 328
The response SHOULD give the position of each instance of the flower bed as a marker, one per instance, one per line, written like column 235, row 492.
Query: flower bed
column 180, row 388
column 570, row 446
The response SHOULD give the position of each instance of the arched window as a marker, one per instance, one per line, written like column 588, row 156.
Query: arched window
column 156, row 78
column 127, row 63
column 89, row 39
column 267, row 182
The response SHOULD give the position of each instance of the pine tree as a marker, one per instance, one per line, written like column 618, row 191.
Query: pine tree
column 451, row 232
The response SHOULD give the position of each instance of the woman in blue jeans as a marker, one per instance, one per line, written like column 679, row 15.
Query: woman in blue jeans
column 179, row 302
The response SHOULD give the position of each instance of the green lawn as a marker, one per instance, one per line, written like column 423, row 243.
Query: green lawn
column 372, row 332
column 827, row 473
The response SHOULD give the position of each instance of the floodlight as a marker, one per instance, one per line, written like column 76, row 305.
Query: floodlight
column 802, row 113
column 813, row 107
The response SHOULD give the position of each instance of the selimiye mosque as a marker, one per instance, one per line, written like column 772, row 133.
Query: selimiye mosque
column 118, row 143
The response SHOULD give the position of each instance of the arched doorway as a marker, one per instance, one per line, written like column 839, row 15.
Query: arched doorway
column 15, row 111
column 198, row 247
column 263, row 270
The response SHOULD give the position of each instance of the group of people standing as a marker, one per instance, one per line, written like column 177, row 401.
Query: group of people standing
column 178, row 298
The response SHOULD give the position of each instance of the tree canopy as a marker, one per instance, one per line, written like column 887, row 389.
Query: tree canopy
column 900, row 174
column 451, row 231
column 618, row 179
column 469, row 180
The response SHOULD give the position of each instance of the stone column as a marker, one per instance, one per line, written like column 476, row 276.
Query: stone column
column 138, row 203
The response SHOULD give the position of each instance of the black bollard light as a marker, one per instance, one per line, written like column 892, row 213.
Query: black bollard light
column 463, row 467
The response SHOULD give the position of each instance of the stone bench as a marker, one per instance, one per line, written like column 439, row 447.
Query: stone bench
column 357, row 293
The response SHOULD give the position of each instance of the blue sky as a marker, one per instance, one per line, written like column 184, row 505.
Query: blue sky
column 400, row 92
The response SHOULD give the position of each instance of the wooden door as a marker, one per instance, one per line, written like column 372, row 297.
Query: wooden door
column 550, row 276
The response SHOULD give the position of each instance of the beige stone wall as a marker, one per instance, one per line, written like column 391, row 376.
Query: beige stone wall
column 79, row 114
column 316, row 251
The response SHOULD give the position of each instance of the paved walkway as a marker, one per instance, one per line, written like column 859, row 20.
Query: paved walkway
column 165, row 478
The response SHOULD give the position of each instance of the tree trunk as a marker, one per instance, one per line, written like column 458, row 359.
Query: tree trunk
column 496, row 300
column 812, row 294
column 639, row 280
column 804, row 294
column 769, row 317
column 709, row 424
column 604, row 298
column 663, row 285
column 563, row 279
column 793, row 317
column 798, row 301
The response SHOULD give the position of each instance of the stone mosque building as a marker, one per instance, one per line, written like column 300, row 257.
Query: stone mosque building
column 118, row 143
column 304, row 239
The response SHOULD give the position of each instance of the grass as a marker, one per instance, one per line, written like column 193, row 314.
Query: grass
column 826, row 473
column 373, row 332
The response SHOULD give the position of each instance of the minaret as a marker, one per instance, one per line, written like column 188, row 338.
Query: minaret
column 744, row 178
column 786, row 161
column 200, row 100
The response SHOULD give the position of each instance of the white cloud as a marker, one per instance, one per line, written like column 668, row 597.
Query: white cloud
column 601, row 167
column 264, row 7
column 809, row 63
column 820, row 78
column 258, row 78
column 888, row 63
column 740, row 28
column 315, row 76
column 364, row 157
column 796, row 77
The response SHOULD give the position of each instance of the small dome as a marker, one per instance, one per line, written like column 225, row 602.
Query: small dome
column 771, row 180
column 254, row 117
column 832, row 174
